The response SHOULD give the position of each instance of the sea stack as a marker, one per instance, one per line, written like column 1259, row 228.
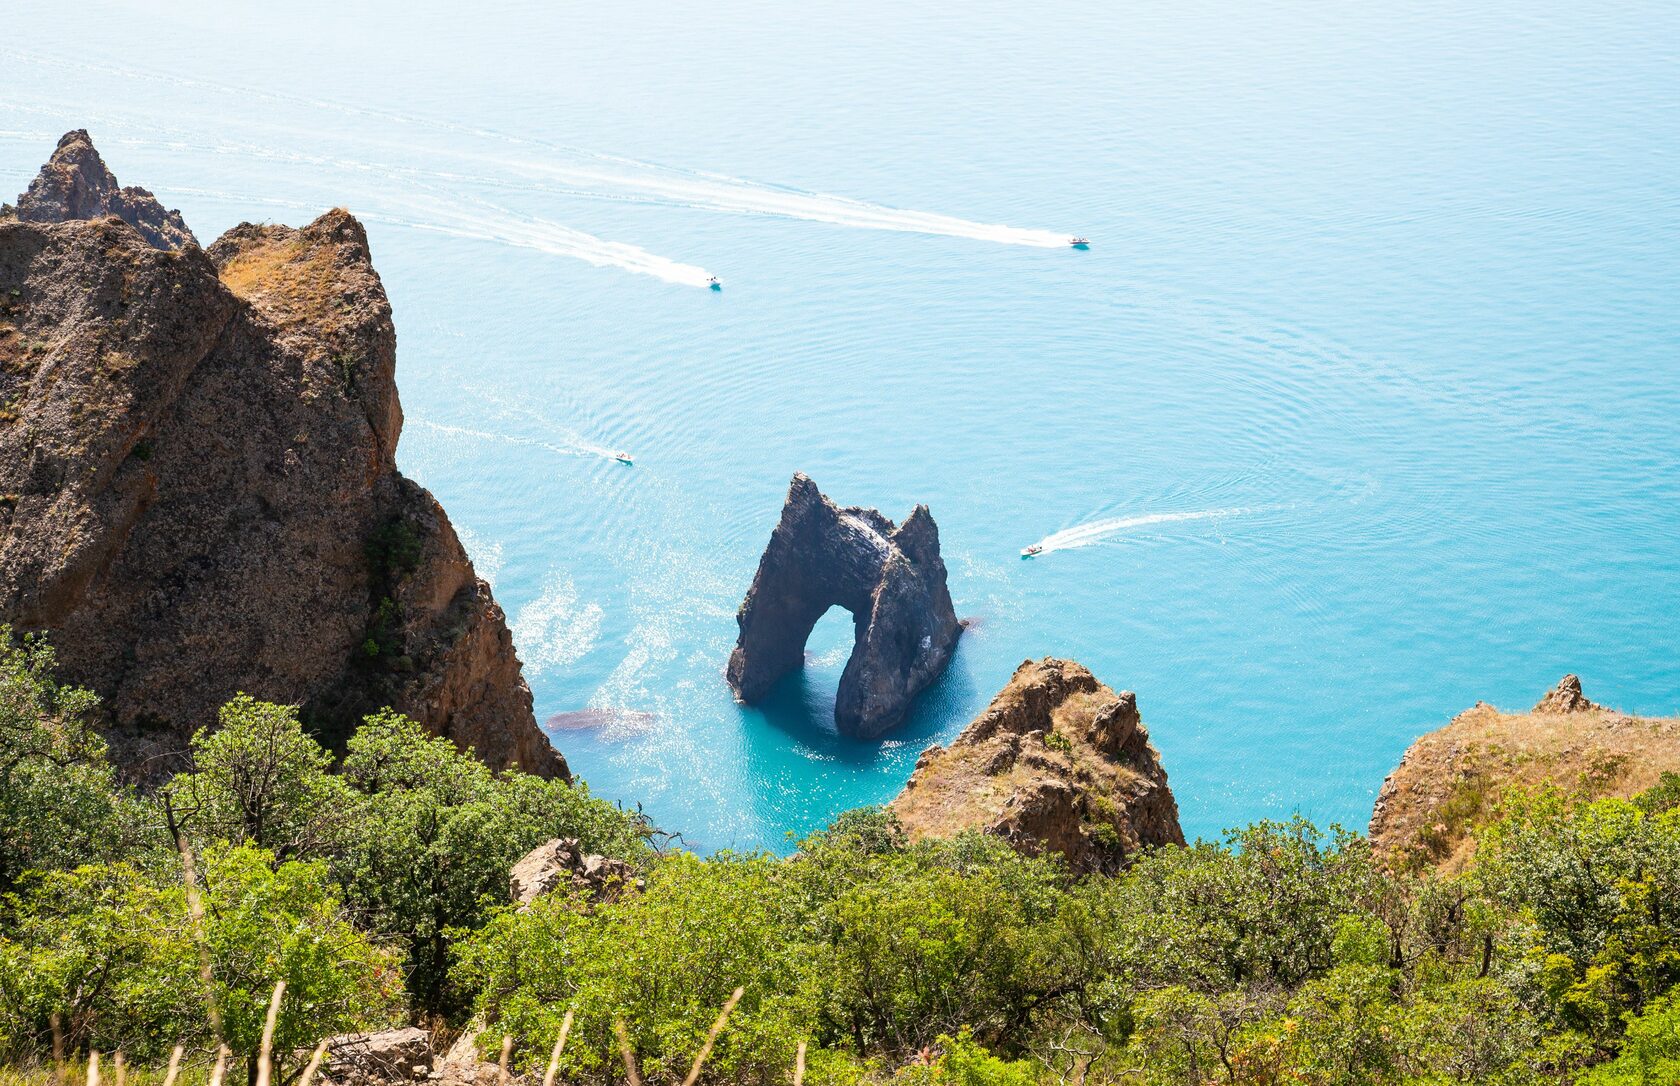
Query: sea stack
column 1058, row 762
column 891, row 579
column 198, row 487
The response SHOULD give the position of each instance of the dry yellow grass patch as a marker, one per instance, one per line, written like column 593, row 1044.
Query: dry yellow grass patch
column 1451, row 780
column 287, row 278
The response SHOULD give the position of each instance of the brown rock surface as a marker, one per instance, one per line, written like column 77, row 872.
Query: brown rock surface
column 75, row 184
column 1565, row 697
column 390, row 1055
column 1057, row 762
column 891, row 578
column 1449, row 781
column 198, row 491
column 561, row 862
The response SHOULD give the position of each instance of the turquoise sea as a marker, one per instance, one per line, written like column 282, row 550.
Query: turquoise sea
column 1363, row 405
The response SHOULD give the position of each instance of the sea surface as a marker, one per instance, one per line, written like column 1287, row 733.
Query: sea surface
column 1363, row 405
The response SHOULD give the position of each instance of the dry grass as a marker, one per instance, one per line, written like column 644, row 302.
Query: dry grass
column 182, row 1072
column 288, row 279
column 1452, row 779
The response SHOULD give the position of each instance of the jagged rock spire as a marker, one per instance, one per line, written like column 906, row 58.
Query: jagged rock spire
column 75, row 184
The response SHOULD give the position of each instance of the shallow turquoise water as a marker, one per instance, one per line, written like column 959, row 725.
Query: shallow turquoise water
column 1370, row 380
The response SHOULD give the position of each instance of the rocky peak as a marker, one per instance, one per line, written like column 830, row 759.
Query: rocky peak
column 75, row 184
column 1565, row 697
column 199, row 494
column 1057, row 762
column 891, row 579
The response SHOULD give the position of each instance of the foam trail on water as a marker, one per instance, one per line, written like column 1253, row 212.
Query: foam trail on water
column 523, row 232
column 612, row 176
column 557, row 240
column 1084, row 535
column 575, row 448
column 703, row 191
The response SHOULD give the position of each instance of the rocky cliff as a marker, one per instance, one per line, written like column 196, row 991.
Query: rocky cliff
column 1450, row 781
column 198, row 491
column 1057, row 762
column 892, row 580
column 74, row 184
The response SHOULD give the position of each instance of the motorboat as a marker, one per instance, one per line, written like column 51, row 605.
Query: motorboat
column 623, row 458
column 715, row 283
column 1033, row 551
column 1080, row 243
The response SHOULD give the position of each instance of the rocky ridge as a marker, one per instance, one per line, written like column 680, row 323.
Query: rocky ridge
column 1058, row 762
column 1450, row 780
column 890, row 577
column 198, row 490
column 75, row 184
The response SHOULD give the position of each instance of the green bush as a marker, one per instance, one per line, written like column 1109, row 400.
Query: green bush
column 59, row 802
column 114, row 953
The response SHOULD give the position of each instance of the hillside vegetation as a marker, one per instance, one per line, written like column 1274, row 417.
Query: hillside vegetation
column 375, row 885
column 1451, row 780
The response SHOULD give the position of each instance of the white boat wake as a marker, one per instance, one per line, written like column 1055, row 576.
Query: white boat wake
column 701, row 191
column 574, row 448
column 529, row 232
column 605, row 176
column 1084, row 535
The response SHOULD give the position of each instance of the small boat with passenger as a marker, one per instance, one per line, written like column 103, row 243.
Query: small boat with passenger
column 1033, row 551
column 1079, row 242
column 623, row 458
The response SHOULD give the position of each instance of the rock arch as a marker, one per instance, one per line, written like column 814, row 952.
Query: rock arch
column 890, row 578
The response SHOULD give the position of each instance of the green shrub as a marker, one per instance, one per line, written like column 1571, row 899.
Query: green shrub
column 59, row 802
column 112, row 951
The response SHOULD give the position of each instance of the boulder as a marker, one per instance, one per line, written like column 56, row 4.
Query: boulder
column 562, row 863
column 392, row 1055
column 1058, row 762
column 892, row 580
column 199, row 493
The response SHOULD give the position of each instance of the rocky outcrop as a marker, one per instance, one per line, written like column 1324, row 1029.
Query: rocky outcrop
column 1449, row 783
column 199, row 496
column 1058, row 762
column 75, row 184
column 1565, row 697
column 391, row 1055
column 562, row 863
column 891, row 579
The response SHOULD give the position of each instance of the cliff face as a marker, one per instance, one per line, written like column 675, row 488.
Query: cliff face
column 198, row 491
column 1057, row 762
column 1450, row 781
column 892, row 580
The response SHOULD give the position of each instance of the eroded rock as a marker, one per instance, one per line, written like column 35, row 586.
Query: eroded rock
column 199, row 494
column 561, row 862
column 1058, row 762
column 891, row 578
column 392, row 1055
column 75, row 184
column 1565, row 697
